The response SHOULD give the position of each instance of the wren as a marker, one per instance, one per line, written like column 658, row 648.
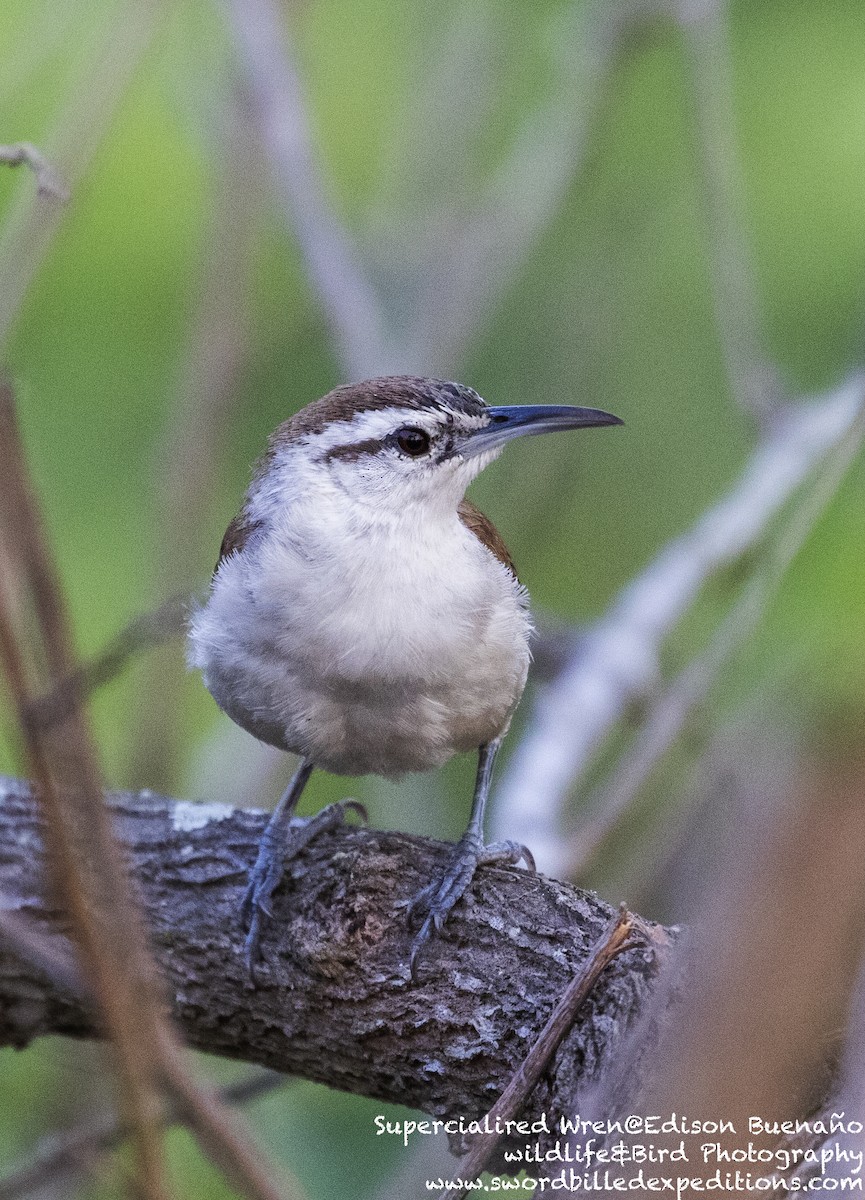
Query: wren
column 367, row 617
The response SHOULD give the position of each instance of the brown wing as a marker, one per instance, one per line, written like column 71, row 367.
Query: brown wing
column 484, row 530
column 236, row 536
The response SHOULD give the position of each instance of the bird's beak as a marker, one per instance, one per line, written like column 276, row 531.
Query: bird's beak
column 523, row 420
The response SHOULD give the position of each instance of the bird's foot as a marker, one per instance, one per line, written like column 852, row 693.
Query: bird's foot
column 433, row 903
column 276, row 848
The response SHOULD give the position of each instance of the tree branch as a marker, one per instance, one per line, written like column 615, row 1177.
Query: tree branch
column 669, row 711
column 278, row 105
column 334, row 1001
column 618, row 660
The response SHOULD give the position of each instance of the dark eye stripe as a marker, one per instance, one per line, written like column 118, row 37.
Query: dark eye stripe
column 355, row 450
column 410, row 440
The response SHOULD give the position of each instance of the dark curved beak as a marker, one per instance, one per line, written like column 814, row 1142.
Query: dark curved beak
column 523, row 420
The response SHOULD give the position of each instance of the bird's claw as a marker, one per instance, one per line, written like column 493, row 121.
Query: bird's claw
column 264, row 878
column 435, row 901
column 355, row 806
column 266, row 875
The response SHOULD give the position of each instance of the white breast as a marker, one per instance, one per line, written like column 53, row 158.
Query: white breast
column 367, row 641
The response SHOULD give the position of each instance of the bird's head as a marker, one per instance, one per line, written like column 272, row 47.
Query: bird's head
column 401, row 440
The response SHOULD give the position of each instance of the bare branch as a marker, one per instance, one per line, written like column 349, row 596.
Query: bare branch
column 48, row 182
column 278, row 105
column 468, row 261
column 668, row 714
column 618, row 660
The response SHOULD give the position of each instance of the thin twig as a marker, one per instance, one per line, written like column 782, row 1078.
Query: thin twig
column 141, row 634
column 198, row 1107
column 472, row 264
column 754, row 381
column 191, row 447
column 48, row 181
column 349, row 301
column 49, row 955
column 616, row 938
column 87, row 870
column 63, row 1154
column 29, row 229
column 221, row 1133
column 84, row 863
column 618, row 661
column 668, row 715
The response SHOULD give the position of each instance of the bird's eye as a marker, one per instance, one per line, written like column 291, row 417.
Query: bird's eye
column 413, row 441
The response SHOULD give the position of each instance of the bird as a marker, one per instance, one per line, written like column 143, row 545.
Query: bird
column 367, row 617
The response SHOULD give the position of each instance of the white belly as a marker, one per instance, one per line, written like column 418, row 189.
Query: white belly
column 390, row 658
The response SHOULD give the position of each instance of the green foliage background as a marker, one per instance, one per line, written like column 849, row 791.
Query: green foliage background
column 612, row 306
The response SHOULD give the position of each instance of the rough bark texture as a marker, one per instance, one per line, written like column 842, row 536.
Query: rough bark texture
column 334, row 1001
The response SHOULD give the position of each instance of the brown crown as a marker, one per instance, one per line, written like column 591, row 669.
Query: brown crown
column 390, row 391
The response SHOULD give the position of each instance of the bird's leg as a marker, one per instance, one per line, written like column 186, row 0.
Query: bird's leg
column 435, row 901
column 279, row 843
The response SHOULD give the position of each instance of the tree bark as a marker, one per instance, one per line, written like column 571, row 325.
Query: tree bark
column 334, row 1001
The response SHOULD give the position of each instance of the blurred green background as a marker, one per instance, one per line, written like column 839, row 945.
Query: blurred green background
column 175, row 272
